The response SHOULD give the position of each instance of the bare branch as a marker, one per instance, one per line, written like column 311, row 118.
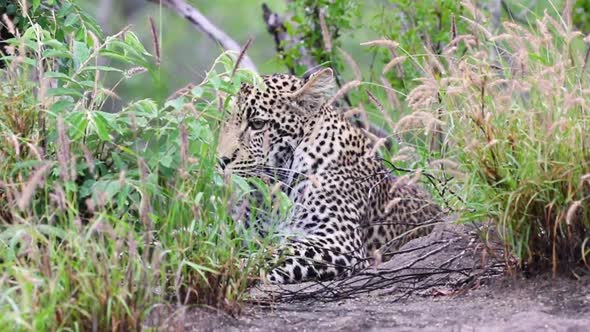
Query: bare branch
column 451, row 259
column 200, row 22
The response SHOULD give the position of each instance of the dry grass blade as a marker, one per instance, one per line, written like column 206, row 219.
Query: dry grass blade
column 325, row 32
column 364, row 118
column 35, row 181
column 184, row 145
column 342, row 91
column 570, row 217
column 381, row 42
column 568, row 10
column 391, row 94
column 241, row 56
column 9, row 24
column 352, row 64
column 202, row 23
column 381, row 109
column 453, row 28
column 63, row 150
column 155, row 40
column 393, row 63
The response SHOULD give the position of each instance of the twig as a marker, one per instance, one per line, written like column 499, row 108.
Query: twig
column 200, row 22
column 440, row 262
column 241, row 56
column 155, row 39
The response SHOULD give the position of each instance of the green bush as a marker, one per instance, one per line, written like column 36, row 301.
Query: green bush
column 105, row 215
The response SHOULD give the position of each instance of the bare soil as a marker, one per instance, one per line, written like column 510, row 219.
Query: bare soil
column 444, row 282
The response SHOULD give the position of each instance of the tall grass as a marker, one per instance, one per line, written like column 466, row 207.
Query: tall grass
column 105, row 216
column 516, row 114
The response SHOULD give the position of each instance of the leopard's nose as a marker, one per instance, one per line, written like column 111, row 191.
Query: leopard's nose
column 223, row 161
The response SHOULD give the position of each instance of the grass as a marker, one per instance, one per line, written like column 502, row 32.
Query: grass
column 104, row 217
column 516, row 129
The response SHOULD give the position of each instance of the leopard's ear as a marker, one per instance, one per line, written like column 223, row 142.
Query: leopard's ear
column 317, row 89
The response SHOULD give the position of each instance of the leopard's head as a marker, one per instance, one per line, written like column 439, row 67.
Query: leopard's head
column 266, row 124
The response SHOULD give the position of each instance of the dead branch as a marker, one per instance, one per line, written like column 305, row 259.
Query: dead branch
column 448, row 259
column 200, row 22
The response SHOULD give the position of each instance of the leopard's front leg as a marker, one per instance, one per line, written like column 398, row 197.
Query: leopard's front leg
column 311, row 259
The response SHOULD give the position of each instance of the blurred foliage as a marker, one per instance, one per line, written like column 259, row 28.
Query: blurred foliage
column 581, row 15
column 414, row 24
column 304, row 26
column 186, row 52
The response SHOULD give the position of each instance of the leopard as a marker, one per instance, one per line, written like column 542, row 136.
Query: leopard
column 348, row 209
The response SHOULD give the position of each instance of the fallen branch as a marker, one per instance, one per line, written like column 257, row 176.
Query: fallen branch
column 448, row 261
column 200, row 22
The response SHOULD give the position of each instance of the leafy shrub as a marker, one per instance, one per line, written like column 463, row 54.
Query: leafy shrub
column 304, row 27
column 105, row 215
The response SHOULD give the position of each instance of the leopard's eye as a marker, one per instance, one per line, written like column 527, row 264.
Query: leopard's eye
column 257, row 123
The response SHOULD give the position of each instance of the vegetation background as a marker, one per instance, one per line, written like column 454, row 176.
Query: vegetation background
column 110, row 202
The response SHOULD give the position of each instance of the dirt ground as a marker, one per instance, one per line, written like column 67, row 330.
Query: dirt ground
column 541, row 304
column 410, row 299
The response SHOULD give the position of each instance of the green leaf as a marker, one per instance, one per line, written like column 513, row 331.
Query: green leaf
column 103, row 68
column 86, row 188
column 116, row 56
column 50, row 230
column 101, row 125
column 176, row 104
column 56, row 74
column 35, row 4
column 242, row 184
column 63, row 105
column 81, row 54
column 200, row 269
column 146, row 107
column 166, row 161
column 63, row 92
column 215, row 82
column 70, row 20
column 54, row 43
column 29, row 61
column 56, row 54
column 110, row 188
column 78, row 123
column 197, row 92
column 132, row 40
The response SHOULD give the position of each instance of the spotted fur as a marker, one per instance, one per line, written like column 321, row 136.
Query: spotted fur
column 346, row 203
